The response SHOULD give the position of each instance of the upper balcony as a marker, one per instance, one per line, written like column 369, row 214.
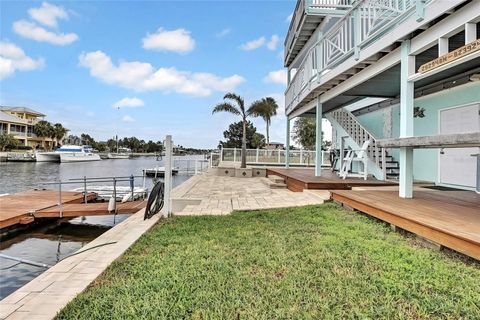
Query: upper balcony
column 307, row 17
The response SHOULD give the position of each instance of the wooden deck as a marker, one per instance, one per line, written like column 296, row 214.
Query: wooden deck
column 298, row 179
column 449, row 218
column 24, row 207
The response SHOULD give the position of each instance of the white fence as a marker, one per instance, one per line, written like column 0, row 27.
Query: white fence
column 269, row 157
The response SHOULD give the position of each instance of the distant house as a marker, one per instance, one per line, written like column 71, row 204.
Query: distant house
column 19, row 121
column 274, row 146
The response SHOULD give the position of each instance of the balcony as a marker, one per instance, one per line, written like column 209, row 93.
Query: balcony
column 365, row 23
column 307, row 17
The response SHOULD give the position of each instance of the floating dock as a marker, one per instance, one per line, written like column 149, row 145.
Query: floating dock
column 24, row 207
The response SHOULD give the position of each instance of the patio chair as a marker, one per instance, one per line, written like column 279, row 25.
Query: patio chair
column 356, row 156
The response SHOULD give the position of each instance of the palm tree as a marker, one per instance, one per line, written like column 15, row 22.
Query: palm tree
column 59, row 132
column 234, row 104
column 43, row 129
column 266, row 109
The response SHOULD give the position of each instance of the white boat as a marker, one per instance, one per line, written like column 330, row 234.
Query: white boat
column 122, row 193
column 68, row 153
column 118, row 156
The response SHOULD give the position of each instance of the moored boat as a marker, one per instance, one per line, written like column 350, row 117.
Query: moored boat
column 68, row 153
column 158, row 172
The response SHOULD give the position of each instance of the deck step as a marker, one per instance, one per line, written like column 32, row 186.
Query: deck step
column 274, row 185
column 276, row 179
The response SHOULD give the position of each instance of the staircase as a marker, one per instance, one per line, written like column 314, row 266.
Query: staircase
column 275, row 182
column 386, row 167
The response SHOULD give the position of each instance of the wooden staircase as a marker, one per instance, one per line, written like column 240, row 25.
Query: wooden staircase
column 379, row 156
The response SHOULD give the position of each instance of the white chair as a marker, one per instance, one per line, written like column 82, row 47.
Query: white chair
column 358, row 156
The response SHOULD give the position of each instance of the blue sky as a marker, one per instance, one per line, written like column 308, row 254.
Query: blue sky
column 166, row 62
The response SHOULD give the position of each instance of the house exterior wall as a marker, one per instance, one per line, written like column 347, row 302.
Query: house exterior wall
column 458, row 96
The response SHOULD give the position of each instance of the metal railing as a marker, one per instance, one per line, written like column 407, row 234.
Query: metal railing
column 359, row 27
column 88, row 181
column 270, row 157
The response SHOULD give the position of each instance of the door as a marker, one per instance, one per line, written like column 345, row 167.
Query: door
column 457, row 165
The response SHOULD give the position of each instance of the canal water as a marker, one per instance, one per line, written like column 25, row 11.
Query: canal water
column 50, row 243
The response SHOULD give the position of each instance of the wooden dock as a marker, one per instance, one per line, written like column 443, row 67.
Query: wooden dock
column 448, row 218
column 24, row 207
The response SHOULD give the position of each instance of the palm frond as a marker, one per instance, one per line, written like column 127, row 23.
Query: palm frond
column 238, row 99
column 226, row 107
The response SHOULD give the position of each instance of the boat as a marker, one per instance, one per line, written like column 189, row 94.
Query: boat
column 157, row 172
column 122, row 153
column 68, row 153
column 21, row 157
column 122, row 193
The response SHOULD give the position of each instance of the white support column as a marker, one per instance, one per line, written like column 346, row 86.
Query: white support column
column 406, row 119
column 289, row 76
column 287, row 145
column 318, row 139
column 470, row 32
column 442, row 46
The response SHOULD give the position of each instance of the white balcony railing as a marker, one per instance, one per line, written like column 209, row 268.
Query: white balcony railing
column 315, row 7
column 360, row 26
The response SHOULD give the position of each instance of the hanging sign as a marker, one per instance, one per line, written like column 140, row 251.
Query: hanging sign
column 451, row 56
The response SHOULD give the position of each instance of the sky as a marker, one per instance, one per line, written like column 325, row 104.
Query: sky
column 144, row 69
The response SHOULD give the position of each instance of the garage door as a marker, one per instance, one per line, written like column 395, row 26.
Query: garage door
column 458, row 166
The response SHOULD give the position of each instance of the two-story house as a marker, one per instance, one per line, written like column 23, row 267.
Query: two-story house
column 19, row 121
column 404, row 74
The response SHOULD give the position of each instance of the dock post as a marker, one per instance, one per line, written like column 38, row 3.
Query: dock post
column 168, row 175
column 132, row 185
column 60, row 204
column 85, row 189
column 115, row 196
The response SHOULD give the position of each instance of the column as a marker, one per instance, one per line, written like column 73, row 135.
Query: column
column 168, row 177
column 470, row 32
column 318, row 139
column 287, row 145
column 406, row 120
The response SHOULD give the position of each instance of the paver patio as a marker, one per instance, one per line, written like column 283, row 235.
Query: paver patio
column 222, row 195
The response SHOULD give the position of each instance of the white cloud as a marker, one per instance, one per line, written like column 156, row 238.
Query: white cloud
column 272, row 44
column 175, row 40
column 32, row 31
column 90, row 114
column 48, row 14
column 13, row 58
column 129, row 103
column 254, row 44
column 223, row 33
column 128, row 119
column 277, row 77
column 142, row 76
column 289, row 18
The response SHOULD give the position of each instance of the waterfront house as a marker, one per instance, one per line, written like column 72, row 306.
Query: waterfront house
column 404, row 75
column 19, row 121
column 274, row 145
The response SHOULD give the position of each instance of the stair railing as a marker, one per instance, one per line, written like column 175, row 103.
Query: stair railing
column 360, row 134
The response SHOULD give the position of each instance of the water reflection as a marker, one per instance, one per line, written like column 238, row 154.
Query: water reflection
column 49, row 244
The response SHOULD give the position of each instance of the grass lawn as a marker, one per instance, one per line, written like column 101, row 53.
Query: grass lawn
column 316, row 262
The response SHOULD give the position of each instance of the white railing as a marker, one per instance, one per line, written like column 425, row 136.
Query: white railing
column 362, row 24
column 191, row 166
column 304, row 5
column 270, row 157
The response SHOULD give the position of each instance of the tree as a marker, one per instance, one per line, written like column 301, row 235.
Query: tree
column 304, row 132
column 58, row 132
column 7, row 140
column 234, row 104
column 43, row 129
column 266, row 109
column 234, row 136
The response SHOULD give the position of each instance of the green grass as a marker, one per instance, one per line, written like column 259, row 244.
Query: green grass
column 316, row 262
